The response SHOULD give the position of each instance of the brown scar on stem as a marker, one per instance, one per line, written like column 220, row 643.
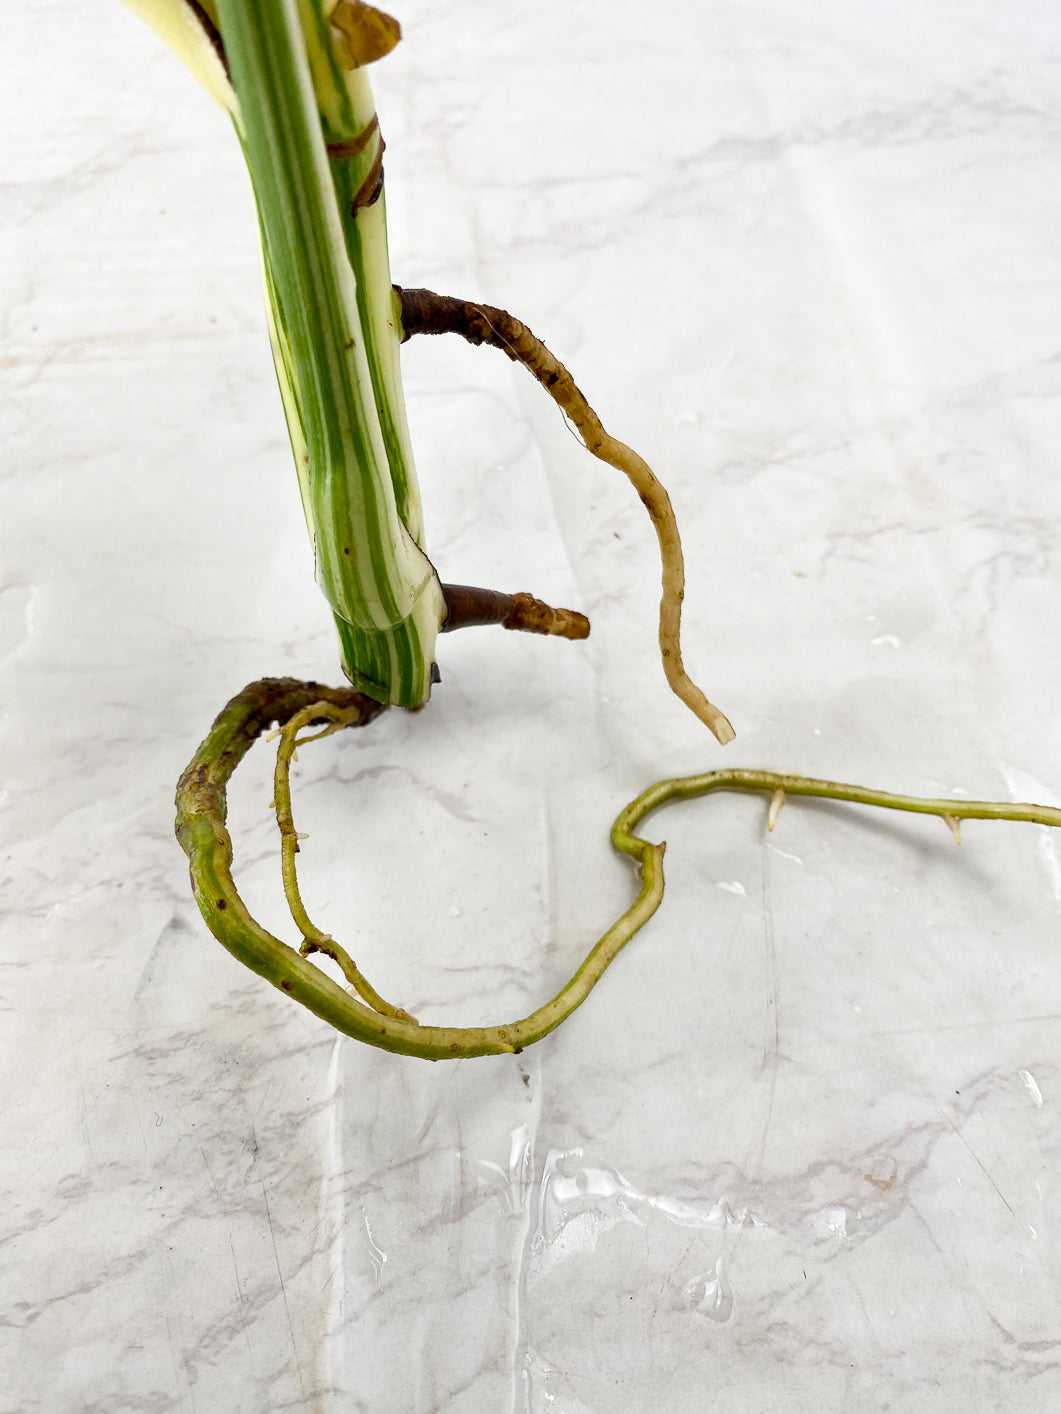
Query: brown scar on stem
column 371, row 189
column 424, row 312
column 351, row 146
column 207, row 25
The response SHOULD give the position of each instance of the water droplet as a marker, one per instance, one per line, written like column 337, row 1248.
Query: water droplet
column 1032, row 1088
column 711, row 1294
column 830, row 1222
column 784, row 854
column 16, row 616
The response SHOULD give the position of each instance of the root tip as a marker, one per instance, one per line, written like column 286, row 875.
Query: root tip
column 722, row 729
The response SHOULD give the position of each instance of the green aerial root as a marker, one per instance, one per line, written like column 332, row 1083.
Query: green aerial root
column 299, row 707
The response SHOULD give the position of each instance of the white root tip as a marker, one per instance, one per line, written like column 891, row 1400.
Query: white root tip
column 776, row 802
column 954, row 824
column 717, row 722
column 724, row 733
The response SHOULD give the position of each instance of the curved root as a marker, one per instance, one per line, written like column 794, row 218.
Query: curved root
column 424, row 312
column 201, row 811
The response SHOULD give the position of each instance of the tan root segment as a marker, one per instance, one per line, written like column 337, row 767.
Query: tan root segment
column 424, row 312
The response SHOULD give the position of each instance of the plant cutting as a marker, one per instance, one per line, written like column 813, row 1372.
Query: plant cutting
column 292, row 76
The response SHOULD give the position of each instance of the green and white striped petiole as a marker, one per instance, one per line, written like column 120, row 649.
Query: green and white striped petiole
column 307, row 125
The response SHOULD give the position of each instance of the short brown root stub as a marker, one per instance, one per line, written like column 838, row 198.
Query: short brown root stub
column 469, row 607
column 424, row 312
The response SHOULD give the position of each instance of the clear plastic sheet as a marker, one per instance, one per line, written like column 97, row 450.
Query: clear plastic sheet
column 800, row 1149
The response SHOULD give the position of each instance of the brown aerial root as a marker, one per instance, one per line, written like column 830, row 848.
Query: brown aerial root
column 423, row 312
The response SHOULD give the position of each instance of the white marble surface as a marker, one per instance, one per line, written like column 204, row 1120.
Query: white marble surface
column 800, row 1151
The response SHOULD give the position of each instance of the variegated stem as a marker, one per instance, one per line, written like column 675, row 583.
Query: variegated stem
column 311, row 141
